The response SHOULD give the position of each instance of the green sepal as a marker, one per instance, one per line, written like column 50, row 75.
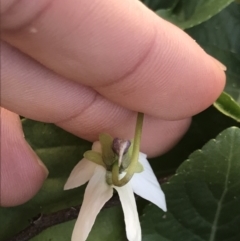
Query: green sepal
column 95, row 157
column 139, row 168
column 127, row 157
column 130, row 150
column 127, row 160
column 108, row 155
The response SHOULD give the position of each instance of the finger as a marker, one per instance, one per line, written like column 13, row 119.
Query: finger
column 33, row 91
column 122, row 49
column 22, row 173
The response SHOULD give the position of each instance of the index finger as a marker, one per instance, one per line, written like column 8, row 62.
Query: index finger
column 119, row 48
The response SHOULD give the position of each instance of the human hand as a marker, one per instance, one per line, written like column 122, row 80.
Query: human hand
column 88, row 66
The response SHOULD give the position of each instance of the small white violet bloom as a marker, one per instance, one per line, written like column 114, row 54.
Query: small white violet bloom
column 98, row 192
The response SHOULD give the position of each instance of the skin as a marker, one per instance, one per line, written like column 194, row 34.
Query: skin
column 88, row 66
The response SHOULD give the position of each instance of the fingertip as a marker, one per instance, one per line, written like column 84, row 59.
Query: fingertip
column 220, row 71
column 220, row 65
column 20, row 184
column 22, row 173
column 213, row 83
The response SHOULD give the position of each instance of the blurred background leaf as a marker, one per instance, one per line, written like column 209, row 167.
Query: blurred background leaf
column 160, row 4
column 205, row 126
column 203, row 197
column 220, row 37
column 109, row 226
column 187, row 13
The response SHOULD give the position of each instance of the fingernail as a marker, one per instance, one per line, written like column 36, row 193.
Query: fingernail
column 44, row 168
column 220, row 65
column 39, row 162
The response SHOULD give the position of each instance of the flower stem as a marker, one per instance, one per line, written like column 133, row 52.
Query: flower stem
column 135, row 153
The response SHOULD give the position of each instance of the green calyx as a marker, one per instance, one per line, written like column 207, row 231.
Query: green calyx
column 119, row 156
column 107, row 158
column 134, row 165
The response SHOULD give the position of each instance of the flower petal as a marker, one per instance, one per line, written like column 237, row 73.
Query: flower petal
column 133, row 228
column 97, row 193
column 146, row 185
column 80, row 174
column 83, row 171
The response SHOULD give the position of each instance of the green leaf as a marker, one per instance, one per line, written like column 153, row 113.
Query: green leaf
column 109, row 226
column 204, row 127
column 188, row 13
column 220, row 37
column 203, row 197
column 60, row 151
column 226, row 104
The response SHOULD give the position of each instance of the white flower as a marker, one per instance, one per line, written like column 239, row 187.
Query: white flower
column 98, row 192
